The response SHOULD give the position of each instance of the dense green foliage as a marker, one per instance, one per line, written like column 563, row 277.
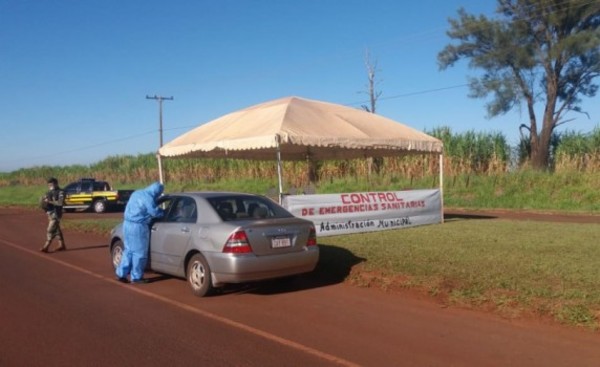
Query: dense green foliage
column 480, row 171
column 532, row 51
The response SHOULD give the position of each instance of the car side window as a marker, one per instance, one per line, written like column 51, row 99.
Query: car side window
column 246, row 207
column 71, row 188
column 189, row 212
column 86, row 186
column 182, row 210
column 166, row 204
column 257, row 210
column 101, row 186
column 225, row 210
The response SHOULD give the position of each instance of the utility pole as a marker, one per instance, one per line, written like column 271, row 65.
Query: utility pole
column 160, row 100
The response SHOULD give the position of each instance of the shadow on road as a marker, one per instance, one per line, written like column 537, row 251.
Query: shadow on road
column 156, row 277
column 449, row 217
column 335, row 264
column 70, row 249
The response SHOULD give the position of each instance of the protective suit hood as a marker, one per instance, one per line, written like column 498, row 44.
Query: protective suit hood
column 142, row 205
column 155, row 189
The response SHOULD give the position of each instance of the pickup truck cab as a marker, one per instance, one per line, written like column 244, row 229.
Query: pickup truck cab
column 89, row 193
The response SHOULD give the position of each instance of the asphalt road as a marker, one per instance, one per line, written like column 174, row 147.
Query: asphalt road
column 66, row 309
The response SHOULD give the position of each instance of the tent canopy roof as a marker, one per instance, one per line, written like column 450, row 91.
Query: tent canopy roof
column 303, row 128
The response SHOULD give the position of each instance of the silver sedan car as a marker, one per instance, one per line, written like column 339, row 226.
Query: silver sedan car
column 215, row 238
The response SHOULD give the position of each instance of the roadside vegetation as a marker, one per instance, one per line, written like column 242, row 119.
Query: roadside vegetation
column 514, row 268
column 480, row 171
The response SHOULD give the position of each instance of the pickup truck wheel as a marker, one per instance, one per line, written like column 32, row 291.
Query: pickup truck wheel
column 99, row 206
column 117, row 253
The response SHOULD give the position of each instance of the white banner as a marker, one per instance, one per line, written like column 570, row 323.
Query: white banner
column 335, row 214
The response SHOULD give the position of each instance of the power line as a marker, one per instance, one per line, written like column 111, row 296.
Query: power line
column 426, row 91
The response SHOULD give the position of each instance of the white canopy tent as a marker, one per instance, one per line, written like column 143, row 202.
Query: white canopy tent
column 294, row 128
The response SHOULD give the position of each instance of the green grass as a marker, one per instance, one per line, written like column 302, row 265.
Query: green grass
column 21, row 195
column 100, row 226
column 573, row 192
column 512, row 267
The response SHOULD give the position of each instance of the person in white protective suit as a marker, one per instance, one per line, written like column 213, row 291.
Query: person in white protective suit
column 141, row 208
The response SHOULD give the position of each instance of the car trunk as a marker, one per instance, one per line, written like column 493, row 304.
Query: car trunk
column 279, row 236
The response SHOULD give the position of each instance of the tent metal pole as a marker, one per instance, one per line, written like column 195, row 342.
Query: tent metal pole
column 160, row 168
column 279, row 169
column 442, row 184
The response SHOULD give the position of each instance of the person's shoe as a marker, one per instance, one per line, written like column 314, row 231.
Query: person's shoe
column 122, row 280
column 140, row 281
column 61, row 248
column 44, row 249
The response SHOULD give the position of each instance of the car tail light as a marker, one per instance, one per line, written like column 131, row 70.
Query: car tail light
column 312, row 237
column 237, row 243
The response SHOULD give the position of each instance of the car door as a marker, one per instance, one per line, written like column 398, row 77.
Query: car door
column 171, row 237
column 71, row 191
column 85, row 196
column 77, row 194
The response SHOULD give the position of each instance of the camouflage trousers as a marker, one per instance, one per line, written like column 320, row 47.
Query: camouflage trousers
column 54, row 230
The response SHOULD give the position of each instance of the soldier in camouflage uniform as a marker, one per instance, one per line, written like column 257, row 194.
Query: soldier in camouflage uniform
column 53, row 205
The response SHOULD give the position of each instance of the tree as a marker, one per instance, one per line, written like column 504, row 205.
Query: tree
column 372, row 85
column 538, row 51
column 374, row 163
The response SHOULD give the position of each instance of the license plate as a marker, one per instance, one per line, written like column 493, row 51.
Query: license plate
column 279, row 242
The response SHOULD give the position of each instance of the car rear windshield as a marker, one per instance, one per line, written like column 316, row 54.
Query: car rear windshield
column 247, row 207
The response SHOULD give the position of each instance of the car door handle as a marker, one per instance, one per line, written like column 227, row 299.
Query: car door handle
column 185, row 229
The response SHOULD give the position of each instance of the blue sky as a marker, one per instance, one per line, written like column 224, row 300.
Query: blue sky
column 75, row 74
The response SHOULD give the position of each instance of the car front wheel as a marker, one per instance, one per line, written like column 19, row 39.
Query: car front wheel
column 198, row 276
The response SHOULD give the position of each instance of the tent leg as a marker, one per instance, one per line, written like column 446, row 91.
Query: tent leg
column 442, row 184
column 160, row 171
column 279, row 176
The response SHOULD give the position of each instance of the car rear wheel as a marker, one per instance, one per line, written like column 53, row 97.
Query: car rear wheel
column 117, row 253
column 99, row 206
column 198, row 275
